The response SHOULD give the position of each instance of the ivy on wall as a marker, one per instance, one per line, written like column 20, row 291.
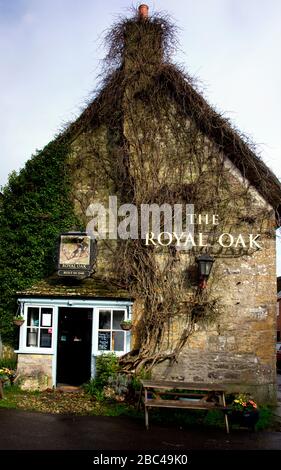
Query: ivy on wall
column 35, row 208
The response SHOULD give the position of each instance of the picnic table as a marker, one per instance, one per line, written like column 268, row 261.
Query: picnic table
column 186, row 395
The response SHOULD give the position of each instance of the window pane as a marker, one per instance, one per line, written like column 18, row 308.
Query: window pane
column 33, row 316
column 46, row 317
column 104, row 341
column 46, row 310
column 118, row 315
column 104, row 319
column 32, row 337
column 45, row 338
column 118, row 341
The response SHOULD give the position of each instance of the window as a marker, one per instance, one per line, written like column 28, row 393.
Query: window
column 39, row 327
column 111, row 337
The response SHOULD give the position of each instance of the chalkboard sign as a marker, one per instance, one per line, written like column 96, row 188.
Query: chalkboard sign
column 104, row 341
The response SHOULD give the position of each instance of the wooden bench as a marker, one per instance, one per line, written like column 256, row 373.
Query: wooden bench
column 196, row 396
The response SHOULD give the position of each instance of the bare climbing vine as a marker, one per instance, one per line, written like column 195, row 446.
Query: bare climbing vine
column 150, row 137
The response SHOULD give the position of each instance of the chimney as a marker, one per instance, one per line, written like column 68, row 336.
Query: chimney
column 143, row 12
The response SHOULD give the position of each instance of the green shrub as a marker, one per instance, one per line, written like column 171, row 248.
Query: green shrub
column 9, row 363
column 135, row 381
column 90, row 387
column 214, row 418
column 106, row 366
column 119, row 383
column 93, row 389
column 36, row 206
column 265, row 417
column 106, row 372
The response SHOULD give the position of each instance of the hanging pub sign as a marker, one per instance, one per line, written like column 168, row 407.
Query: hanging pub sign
column 76, row 255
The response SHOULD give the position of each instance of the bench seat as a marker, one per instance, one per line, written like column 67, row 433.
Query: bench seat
column 200, row 405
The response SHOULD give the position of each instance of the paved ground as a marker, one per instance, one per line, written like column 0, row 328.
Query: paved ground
column 77, row 441
column 22, row 430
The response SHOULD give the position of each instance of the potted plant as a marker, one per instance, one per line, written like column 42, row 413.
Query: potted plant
column 243, row 411
column 18, row 320
column 5, row 375
column 126, row 324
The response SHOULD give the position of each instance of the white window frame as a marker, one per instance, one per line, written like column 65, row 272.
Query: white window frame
column 23, row 348
column 127, row 334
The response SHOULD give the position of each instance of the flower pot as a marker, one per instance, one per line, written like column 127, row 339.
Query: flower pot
column 18, row 322
column 244, row 418
column 126, row 326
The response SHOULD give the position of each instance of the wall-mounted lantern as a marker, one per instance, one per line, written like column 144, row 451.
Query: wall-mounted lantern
column 205, row 264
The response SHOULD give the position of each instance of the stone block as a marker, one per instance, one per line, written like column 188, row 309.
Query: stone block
column 34, row 371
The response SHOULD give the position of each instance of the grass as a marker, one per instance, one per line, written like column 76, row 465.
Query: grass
column 81, row 403
column 8, row 363
column 53, row 401
column 266, row 418
column 10, row 396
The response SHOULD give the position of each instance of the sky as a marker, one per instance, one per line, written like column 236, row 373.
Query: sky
column 51, row 53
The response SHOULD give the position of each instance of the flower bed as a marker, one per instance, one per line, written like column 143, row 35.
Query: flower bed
column 5, row 375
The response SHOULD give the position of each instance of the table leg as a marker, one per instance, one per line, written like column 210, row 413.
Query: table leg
column 225, row 415
column 139, row 402
column 146, row 416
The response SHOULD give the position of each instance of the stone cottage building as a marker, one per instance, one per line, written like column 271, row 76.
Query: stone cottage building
column 278, row 325
column 149, row 137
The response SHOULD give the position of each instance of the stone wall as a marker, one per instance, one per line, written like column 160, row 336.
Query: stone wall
column 34, row 371
column 279, row 320
column 239, row 348
column 6, row 351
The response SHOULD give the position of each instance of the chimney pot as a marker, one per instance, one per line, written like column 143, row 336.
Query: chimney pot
column 143, row 12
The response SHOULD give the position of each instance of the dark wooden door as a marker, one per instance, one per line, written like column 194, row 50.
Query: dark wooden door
column 74, row 345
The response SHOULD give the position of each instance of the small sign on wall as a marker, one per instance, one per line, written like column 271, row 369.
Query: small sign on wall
column 76, row 255
column 46, row 319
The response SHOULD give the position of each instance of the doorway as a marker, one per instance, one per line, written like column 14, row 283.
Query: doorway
column 74, row 345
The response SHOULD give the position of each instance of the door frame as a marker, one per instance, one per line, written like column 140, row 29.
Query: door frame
column 90, row 309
